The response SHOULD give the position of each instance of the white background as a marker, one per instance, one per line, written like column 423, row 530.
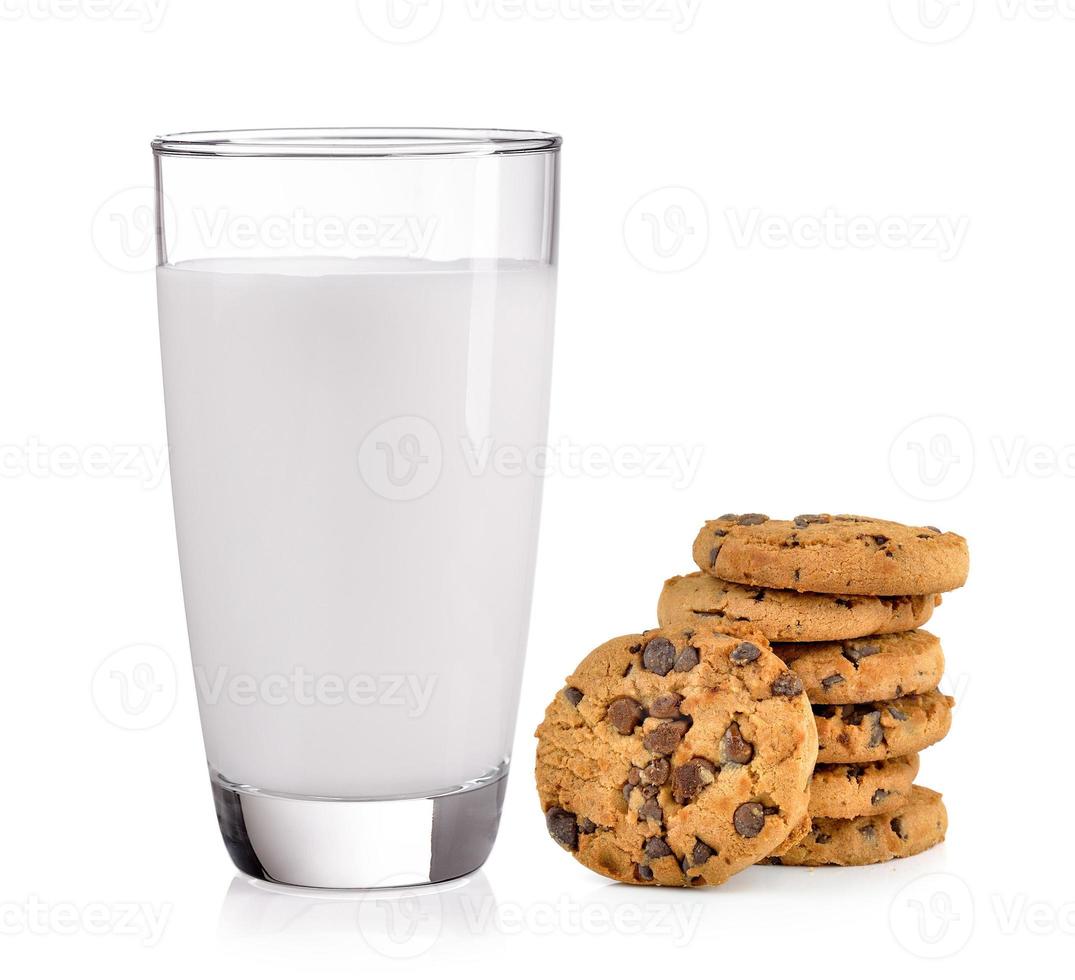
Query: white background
column 793, row 361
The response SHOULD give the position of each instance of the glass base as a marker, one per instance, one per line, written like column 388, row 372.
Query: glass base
column 319, row 842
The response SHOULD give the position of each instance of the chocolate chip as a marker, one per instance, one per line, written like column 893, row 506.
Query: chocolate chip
column 702, row 852
column 574, row 695
column 689, row 779
column 656, row 847
column 665, row 706
column 651, row 810
column 803, row 520
column 664, row 738
column 635, row 648
column 897, row 714
column 877, row 733
column 735, row 748
column 634, row 775
column 787, row 685
column 749, row 520
column 562, row 828
column 867, row 830
column 728, row 517
column 657, row 772
column 643, row 872
column 659, row 655
column 624, row 714
column 879, row 796
column 856, row 651
column 713, row 552
column 749, row 819
column 897, row 828
column 935, row 530
column 745, row 653
column 587, row 826
column 687, row 660
column 879, row 539
column 832, row 680
column 626, row 790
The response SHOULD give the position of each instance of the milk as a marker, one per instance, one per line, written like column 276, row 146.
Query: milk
column 356, row 566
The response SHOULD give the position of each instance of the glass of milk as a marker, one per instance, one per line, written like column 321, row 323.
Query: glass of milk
column 356, row 332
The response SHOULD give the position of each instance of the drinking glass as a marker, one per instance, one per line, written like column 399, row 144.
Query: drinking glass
column 356, row 331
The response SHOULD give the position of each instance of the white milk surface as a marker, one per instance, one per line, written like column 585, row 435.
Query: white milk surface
column 356, row 569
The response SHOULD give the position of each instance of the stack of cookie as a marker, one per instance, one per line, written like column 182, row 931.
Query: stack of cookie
column 841, row 599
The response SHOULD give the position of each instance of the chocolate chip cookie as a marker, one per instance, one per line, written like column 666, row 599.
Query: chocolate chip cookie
column 862, row 789
column 915, row 827
column 786, row 615
column 881, row 729
column 874, row 668
column 798, row 832
column 676, row 757
column 845, row 554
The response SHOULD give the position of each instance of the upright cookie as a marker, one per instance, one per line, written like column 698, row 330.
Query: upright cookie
column 881, row 729
column 786, row 615
column 874, row 668
column 861, row 789
column 845, row 554
column 915, row 827
column 676, row 757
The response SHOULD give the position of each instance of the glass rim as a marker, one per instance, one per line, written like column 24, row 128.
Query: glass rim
column 368, row 142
